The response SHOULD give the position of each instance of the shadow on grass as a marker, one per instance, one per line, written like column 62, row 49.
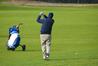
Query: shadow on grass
column 27, row 51
column 64, row 59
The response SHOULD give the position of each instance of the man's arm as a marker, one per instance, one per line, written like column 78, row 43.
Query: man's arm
column 39, row 20
column 45, row 16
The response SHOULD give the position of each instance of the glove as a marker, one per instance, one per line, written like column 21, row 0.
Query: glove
column 41, row 13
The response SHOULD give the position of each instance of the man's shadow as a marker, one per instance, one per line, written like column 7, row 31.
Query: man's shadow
column 66, row 59
column 28, row 50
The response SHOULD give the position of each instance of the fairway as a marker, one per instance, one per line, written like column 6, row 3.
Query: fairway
column 74, row 36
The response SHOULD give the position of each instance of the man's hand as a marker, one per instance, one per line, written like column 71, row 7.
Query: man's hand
column 41, row 13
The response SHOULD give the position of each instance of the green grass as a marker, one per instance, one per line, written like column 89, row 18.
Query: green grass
column 74, row 36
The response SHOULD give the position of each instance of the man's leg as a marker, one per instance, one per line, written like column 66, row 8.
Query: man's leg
column 47, row 50
column 44, row 51
column 43, row 45
column 48, row 43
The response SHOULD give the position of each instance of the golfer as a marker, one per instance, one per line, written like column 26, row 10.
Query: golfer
column 45, row 33
column 14, row 38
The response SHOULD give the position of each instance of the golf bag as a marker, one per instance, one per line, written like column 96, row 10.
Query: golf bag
column 14, row 40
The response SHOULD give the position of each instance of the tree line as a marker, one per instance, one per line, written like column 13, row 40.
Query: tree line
column 60, row 1
column 70, row 1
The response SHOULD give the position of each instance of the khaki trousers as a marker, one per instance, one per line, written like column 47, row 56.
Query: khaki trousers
column 45, row 43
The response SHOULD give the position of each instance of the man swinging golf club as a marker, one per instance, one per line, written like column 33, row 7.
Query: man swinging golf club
column 14, row 38
column 45, row 33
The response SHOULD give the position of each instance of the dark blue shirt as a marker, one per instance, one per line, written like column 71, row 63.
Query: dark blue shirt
column 47, row 23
